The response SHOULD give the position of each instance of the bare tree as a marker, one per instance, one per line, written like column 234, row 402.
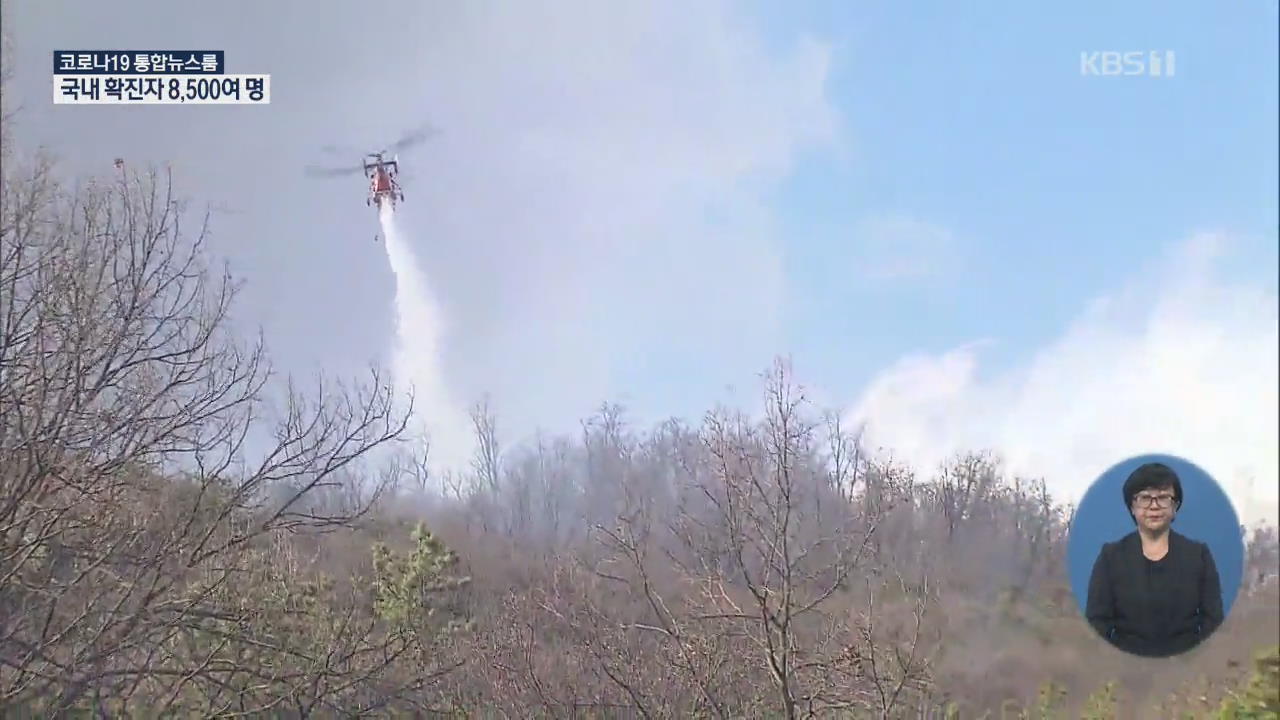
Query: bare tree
column 8, row 111
column 895, row 664
column 844, row 456
column 955, row 487
column 749, row 586
column 131, row 504
column 488, row 460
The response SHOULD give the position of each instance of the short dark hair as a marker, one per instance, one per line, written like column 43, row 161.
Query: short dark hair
column 1148, row 476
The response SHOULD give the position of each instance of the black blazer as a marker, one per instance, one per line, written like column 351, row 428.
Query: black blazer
column 1156, row 609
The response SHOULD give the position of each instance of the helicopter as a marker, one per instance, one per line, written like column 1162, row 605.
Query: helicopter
column 382, row 179
column 384, row 187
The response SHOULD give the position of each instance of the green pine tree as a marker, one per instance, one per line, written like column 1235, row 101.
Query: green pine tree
column 1259, row 699
column 406, row 588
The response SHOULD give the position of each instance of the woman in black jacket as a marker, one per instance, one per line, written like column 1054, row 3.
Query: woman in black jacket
column 1154, row 592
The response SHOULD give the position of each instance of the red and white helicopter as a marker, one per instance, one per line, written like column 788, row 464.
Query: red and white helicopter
column 382, row 180
column 384, row 187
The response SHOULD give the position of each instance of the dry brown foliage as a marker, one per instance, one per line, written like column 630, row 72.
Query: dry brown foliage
column 179, row 531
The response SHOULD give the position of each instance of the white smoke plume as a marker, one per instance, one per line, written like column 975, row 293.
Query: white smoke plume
column 1182, row 362
column 416, row 360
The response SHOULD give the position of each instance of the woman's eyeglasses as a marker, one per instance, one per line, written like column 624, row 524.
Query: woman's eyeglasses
column 1145, row 500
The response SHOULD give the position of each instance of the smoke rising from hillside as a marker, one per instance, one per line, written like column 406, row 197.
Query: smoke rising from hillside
column 1181, row 362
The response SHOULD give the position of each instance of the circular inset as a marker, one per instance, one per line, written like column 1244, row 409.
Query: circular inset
column 1155, row 555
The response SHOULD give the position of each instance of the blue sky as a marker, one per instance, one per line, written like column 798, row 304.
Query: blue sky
column 1054, row 186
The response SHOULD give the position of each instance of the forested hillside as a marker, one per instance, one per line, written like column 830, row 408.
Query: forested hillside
column 183, row 531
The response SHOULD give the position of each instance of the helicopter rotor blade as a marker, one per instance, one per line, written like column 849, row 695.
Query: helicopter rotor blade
column 315, row 171
column 409, row 140
column 339, row 150
column 413, row 138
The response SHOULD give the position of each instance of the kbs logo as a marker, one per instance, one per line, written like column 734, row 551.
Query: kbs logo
column 1152, row 63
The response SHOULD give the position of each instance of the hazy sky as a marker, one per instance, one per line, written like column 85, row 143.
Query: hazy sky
column 953, row 233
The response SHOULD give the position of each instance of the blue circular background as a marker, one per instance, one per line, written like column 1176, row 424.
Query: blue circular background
column 1206, row 515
